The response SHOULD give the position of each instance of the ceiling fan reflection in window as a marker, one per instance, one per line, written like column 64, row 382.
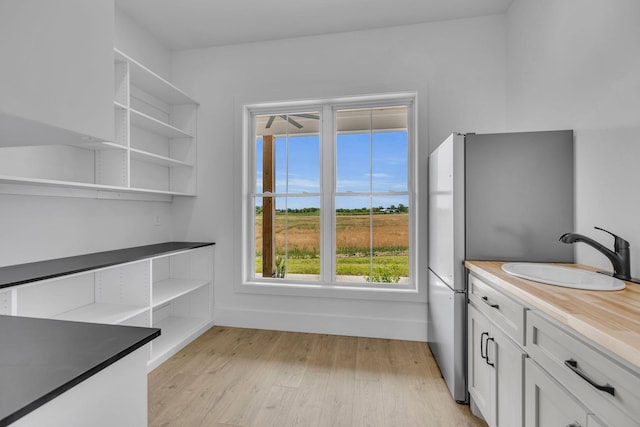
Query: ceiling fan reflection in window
column 288, row 117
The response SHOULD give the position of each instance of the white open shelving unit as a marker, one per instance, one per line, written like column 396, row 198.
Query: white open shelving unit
column 173, row 292
column 152, row 156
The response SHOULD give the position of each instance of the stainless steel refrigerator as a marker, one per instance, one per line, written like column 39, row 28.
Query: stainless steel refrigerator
column 506, row 197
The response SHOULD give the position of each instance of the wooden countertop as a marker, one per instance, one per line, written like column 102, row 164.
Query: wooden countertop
column 608, row 318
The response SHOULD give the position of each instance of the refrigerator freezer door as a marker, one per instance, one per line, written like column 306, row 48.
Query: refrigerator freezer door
column 446, row 211
column 447, row 335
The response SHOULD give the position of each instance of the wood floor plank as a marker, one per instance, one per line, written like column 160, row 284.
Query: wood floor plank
column 309, row 401
column 234, row 377
column 340, row 395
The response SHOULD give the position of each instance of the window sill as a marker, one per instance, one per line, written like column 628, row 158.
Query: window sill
column 403, row 293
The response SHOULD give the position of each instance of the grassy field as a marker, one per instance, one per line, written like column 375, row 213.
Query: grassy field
column 356, row 245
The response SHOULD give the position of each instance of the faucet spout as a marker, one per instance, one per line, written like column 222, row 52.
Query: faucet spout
column 620, row 258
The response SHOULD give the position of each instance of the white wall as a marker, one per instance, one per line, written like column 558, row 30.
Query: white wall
column 456, row 67
column 34, row 228
column 574, row 64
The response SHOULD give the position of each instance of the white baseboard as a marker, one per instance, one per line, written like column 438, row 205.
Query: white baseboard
column 359, row 326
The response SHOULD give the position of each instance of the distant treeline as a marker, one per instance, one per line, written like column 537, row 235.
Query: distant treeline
column 341, row 211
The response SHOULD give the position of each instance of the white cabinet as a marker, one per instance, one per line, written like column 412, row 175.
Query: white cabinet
column 481, row 374
column 606, row 387
column 495, row 371
column 525, row 366
column 56, row 69
column 548, row 403
column 173, row 292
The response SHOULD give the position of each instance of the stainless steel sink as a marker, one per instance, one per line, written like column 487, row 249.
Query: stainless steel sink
column 563, row 276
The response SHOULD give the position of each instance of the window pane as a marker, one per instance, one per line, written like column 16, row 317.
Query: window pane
column 353, row 238
column 353, row 150
column 281, row 164
column 302, row 238
column 390, row 248
column 259, row 163
column 389, row 161
column 294, row 240
column 389, row 149
column 259, row 236
column 304, row 164
column 288, row 145
column 353, row 168
column 280, row 238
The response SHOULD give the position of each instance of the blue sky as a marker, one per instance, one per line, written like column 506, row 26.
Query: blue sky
column 362, row 166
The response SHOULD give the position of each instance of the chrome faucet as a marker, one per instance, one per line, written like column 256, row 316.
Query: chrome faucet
column 620, row 258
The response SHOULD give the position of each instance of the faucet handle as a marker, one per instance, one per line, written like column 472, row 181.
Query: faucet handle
column 619, row 243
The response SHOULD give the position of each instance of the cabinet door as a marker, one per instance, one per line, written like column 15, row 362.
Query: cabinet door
column 58, row 63
column 548, row 403
column 509, row 364
column 481, row 375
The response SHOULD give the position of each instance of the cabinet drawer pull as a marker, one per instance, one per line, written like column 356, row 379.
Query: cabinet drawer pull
column 492, row 364
column 573, row 365
column 483, row 353
column 486, row 300
column 574, row 425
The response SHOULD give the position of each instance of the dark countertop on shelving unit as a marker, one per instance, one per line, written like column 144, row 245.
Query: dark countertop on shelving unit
column 42, row 358
column 31, row 272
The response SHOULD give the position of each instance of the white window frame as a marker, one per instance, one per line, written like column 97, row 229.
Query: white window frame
column 327, row 107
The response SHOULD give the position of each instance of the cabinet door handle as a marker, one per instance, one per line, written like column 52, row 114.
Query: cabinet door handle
column 492, row 364
column 574, row 425
column 483, row 350
column 486, row 300
column 573, row 365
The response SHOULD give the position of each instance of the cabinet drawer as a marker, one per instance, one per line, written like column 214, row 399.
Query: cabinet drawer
column 507, row 313
column 548, row 404
column 581, row 367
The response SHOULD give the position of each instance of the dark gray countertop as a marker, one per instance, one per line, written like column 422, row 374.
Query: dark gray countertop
column 41, row 358
column 25, row 273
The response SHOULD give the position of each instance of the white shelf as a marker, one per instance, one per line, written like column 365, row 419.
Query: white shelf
column 145, row 156
column 156, row 126
column 102, row 313
column 162, row 192
column 161, row 126
column 16, row 132
column 176, row 332
column 167, row 290
column 150, row 82
column 99, row 146
column 58, row 183
column 4, row 179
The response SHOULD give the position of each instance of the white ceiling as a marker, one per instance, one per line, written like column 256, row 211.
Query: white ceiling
column 185, row 24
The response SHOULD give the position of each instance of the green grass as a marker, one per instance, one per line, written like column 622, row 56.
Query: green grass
column 348, row 266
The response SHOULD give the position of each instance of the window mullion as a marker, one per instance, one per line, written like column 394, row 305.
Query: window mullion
column 327, row 168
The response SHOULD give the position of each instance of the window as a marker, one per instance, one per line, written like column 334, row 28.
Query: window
column 330, row 193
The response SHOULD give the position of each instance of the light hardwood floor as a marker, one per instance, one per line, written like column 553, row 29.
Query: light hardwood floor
column 247, row 377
